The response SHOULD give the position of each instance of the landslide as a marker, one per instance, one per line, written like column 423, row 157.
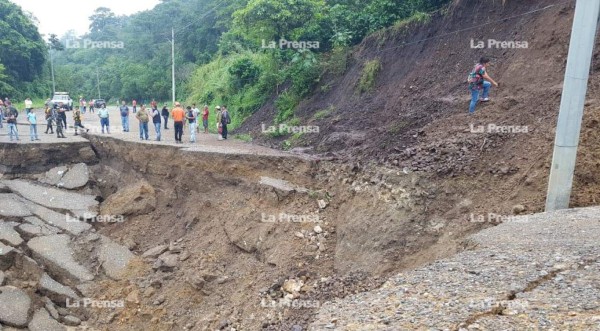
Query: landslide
column 415, row 117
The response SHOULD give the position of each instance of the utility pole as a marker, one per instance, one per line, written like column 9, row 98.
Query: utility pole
column 52, row 71
column 571, row 106
column 173, row 63
column 98, row 80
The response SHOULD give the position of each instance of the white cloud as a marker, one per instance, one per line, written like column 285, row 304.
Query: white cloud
column 60, row 16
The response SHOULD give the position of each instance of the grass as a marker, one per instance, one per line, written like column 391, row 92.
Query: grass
column 369, row 76
column 321, row 114
column 37, row 103
column 243, row 137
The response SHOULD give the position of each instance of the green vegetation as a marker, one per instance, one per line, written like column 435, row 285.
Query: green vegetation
column 369, row 75
column 321, row 114
column 227, row 52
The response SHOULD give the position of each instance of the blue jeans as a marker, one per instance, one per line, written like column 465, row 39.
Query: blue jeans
column 475, row 95
column 125, row 122
column 157, row 129
column 12, row 130
column 33, row 132
column 144, row 130
column 104, row 123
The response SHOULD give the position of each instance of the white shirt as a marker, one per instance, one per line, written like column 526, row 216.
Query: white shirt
column 28, row 104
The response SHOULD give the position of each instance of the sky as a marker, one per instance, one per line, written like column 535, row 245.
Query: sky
column 60, row 16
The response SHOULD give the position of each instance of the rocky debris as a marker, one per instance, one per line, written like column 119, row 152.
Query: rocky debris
column 135, row 199
column 155, row 251
column 518, row 209
column 113, row 257
column 322, row 204
column 77, row 177
column 51, row 308
column 55, row 252
column 196, row 281
column 42, row 321
column 62, row 221
column 54, row 175
column 8, row 235
column 2, row 278
column 54, row 290
column 282, row 187
column 54, row 198
column 292, row 286
column 14, row 306
column 318, row 229
column 7, row 256
column 11, row 206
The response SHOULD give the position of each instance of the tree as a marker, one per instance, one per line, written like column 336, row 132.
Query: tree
column 102, row 19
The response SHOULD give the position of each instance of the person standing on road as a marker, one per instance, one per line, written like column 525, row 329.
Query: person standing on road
column 124, row 116
column 2, row 112
column 156, row 121
column 142, row 117
column 134, row 104
column 219, row 126
column 165, row 115
column 104, row 119
column 49, row 119
column 28, row 105
column 62, row 113
column 32, row 119
column 205, row 119
column 225, row 120
column 56, row 117
column 191, row 117
column 11, row 119
column 91, row 104
column 480, row 80
column 77, row 120
column 196, row 116
column 178, row 117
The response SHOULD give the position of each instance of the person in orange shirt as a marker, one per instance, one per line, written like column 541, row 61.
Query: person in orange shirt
column 178, row 117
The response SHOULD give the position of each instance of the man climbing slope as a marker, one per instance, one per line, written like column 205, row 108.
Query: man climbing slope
column 480, row 80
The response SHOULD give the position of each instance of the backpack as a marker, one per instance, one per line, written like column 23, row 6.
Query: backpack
column 475, row 78
column 190, row 114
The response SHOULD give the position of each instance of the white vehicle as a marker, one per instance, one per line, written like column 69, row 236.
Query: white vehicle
column 61, row 97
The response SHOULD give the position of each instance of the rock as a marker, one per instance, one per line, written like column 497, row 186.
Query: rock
column 114, row 257
column 54, row 175
column 155, row 252
column 51, row 308
column 136, row 199
column 42, row 321
column 292, row 286
column 318, row 229
column 62, row 311
column 86, row 289
column 28, row 231
column 77, row 176
column 2, row 278
column 14, row 306
column 71, row 320
column 465, row 205
column 518, row 209
column 57, row 255
column 8, row 235
column 61, row 221
column 12, row 206
column 322, row 204
column 184, row 255
column 299, row 234
column 130, row 244
column 7, row 257
column 56, row 291
column 133, row 297
column 296, row 328
column 166, row 262
column 281, row 187
column 53, row 198
column 196, row 281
